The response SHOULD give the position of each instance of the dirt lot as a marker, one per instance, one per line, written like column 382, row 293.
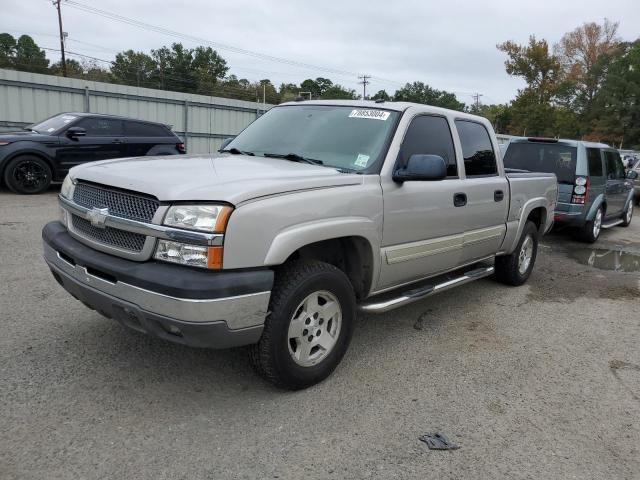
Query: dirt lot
column 540, row 381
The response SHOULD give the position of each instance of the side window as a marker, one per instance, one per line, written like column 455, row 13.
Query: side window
column 479, row 157
column 139, row 129
column 615, row 170
column 594, row 160
column 430, row 135
column 101, row 127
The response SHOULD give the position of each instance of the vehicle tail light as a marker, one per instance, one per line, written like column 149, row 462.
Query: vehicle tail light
column 180, row 147
column 580, row 191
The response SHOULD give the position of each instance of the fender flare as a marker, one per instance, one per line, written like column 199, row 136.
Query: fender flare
column 527, row 208
column 594, row 207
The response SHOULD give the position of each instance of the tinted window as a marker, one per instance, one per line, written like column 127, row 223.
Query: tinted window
column 139, row 129
column 595, row 162
column 54, row 123
column 430, row 135
column 543, row 157
column 479, row 157
column 101, row 127
column 615, row 170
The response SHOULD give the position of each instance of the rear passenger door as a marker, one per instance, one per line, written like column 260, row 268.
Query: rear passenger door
column 486, row 190
column 103, row 140
column 143, row 137
column 616, row 192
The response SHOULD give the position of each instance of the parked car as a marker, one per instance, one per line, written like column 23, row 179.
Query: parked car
column 315, row 210
column 593, row 190
column 634, row 176
column 44, row 152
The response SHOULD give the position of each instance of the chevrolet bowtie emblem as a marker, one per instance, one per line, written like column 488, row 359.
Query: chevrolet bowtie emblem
column 98, row 216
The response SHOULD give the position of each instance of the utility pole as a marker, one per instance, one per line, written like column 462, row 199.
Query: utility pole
column 56, row 3
column 365, row 81
column 476, row 97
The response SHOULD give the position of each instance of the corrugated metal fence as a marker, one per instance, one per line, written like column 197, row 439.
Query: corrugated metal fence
column 202, row 121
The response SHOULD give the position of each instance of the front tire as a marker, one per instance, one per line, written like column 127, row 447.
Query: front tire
column 309, row 326
column 627, row 215
column 515, row 269
column 27, row 174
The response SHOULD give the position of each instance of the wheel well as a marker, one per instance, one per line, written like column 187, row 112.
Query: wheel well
column 3, row 167
column 353, row 255
column 538, row 216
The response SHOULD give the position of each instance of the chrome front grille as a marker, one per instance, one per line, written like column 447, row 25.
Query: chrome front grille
column 112, row 237
column 120, row 203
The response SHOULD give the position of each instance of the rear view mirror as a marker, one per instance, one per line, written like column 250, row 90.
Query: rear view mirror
column 632, row 175
column 422, row 167
column 75, row 132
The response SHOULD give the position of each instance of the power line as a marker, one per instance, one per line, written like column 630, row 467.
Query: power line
column 365, row 81
column 476, row 97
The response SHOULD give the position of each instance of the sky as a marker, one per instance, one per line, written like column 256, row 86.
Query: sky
column 450, row 45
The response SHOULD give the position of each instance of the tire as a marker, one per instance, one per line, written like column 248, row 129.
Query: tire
column 627, row 215
column 28, row 175
column 290, row 354
column 591, row 230
column 515, row 269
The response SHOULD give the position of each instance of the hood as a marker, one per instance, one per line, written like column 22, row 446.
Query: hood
column 229, row 178
column 25, row 135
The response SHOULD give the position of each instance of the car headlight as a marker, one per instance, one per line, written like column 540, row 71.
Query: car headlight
column 202, row 218
column 190, row 255
column 67, row 187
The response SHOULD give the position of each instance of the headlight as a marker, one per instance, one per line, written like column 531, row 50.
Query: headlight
column 67, row 187
column 203, row 218
column 191, row 255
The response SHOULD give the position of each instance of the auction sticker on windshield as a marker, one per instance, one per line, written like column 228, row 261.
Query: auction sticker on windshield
column 373, row 114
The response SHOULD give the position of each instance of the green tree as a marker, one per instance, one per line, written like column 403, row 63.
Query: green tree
column 134, row 68
column 208, row 68
column 419, row 92
column 74, row 69
column 29, row 57
column 7, row 50
column 382, row 95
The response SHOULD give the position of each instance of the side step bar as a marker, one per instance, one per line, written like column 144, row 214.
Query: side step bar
column 410, row 296
column 612, row 223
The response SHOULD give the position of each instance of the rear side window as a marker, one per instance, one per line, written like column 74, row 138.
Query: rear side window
column 543, row 157
column 101, row 127
column 429, row 135
column 139, row 129
column 477, row 150
column 595, row 162
column 615, row 170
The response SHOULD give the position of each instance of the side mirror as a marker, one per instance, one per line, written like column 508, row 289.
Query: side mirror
column 422, row 167
column 632, row 175
column 75, row 132
column 225, row 142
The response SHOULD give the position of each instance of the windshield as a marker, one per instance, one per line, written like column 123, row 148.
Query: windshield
column 338, row 136
column 54, row 123
column 543, row 157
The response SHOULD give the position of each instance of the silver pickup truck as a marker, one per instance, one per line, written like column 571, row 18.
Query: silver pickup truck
column 315, row 211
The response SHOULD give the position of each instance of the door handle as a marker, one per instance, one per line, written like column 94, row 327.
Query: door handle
column 498, row 196
column 459, row 199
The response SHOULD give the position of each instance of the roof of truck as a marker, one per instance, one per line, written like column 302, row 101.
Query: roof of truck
column 394, row 106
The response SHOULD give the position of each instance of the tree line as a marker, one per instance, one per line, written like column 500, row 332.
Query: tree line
column 585, row 86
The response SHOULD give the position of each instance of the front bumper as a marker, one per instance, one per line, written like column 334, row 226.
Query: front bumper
column 180, row 304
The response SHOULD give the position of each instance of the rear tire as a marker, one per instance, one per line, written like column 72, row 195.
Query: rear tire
column 515, row 269
column 627, row 215
column 300, row 346
column 591, row 230
column 27, row 175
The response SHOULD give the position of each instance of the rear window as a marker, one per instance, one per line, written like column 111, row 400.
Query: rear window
column 139, row 129
column 543, row 157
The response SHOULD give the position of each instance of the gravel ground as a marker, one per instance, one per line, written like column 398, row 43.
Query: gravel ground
column 539, row 381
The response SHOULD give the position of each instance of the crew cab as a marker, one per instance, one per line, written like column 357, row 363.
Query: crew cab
column 43, row 153
column 315, row 211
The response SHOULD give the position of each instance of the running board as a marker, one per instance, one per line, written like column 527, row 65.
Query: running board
column 410, row 296
column 612, row 224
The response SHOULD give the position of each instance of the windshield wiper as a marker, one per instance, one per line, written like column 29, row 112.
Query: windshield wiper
column 235, row 151
column 294, row 157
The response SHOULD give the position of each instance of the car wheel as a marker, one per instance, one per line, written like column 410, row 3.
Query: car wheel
column 591, row 230
column 309, row 326
column 515, row 269
column 27, row 174
column 628, row 215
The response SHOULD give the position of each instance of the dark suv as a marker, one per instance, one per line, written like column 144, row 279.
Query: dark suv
column 31, row 160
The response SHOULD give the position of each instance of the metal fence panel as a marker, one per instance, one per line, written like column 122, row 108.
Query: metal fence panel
column 26, row 98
